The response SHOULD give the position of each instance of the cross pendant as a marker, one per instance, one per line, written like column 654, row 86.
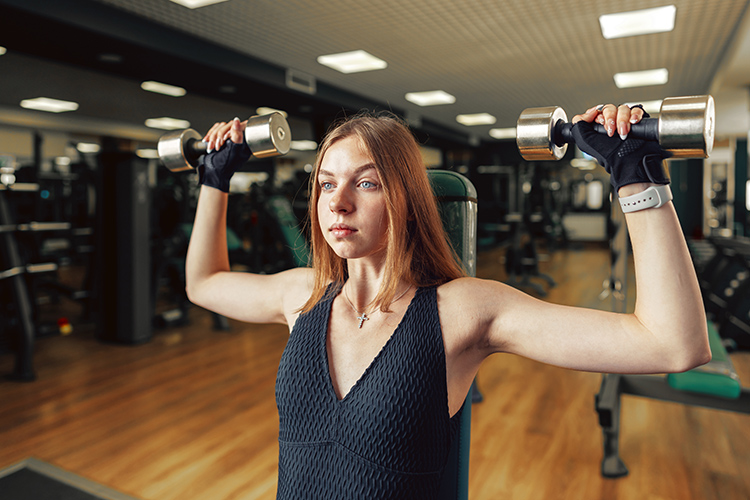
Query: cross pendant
column 362, row 319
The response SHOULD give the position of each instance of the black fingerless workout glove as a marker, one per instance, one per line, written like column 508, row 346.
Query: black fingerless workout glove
column 627, row 162
column 218, row 167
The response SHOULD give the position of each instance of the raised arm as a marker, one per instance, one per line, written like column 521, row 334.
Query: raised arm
column 210, row 283
column 667, row 330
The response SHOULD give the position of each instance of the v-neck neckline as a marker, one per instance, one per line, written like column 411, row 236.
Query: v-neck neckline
column 362, row 378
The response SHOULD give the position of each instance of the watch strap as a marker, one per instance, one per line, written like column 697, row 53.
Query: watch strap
column 653, row 197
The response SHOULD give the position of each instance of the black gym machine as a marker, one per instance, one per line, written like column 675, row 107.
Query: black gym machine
column 131, row 272
column 123, row 278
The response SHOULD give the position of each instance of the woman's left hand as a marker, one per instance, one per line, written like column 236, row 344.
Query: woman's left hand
column 613, row 118
column 627, row 160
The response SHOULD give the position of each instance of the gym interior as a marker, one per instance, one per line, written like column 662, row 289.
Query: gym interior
column 116, row 386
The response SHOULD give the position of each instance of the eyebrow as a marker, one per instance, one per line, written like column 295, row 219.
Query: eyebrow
column 357, row 171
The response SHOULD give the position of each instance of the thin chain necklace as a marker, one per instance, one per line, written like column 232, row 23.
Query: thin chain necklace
column 363, row 316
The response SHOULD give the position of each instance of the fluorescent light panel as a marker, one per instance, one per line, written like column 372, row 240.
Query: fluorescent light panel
column 642, row 78
column 88, row 147
column 476, row 119
column 304, row 145
column 49, row 104
column 583, row 163
column 355, row 61
column 147, row 153
column 163, row 88
column 166, row 123
column 110, row 58
column 638, row 22
column 503, row 133
column 267, row 111
column 194, row 4
column 430, row 98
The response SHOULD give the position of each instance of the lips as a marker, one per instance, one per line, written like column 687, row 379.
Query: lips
column 341, row 230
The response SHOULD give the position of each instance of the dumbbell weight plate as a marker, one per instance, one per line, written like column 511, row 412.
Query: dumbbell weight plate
column 268, row 135
column 686, row 126
column 171, row 149
column 535, row 133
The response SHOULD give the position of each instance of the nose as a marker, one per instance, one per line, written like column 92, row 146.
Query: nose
column 340, row 201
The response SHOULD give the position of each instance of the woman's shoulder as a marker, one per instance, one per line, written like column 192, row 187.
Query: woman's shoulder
column 471, row 299
column 297, row 285
column 299, row 280
column 466, row 288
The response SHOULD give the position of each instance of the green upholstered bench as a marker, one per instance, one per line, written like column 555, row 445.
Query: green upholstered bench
column 714, row 385
column 457, row 202
column 717, row 377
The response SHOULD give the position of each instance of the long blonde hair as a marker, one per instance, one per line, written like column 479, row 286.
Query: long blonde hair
column 418, row 250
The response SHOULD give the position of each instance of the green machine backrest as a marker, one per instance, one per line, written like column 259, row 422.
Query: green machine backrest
column 457, row 201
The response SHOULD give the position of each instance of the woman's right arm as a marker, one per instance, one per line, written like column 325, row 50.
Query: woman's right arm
column 243, row 296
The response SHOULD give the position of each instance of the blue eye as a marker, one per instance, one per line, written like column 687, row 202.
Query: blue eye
column 326, row 186
column 367, row 185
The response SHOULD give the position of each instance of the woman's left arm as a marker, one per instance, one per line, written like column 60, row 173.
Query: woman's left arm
column 665, row 333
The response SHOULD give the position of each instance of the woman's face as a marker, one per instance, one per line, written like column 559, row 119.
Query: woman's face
column 352, row 209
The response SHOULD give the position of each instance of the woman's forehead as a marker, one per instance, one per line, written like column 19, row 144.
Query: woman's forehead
column 346, row 156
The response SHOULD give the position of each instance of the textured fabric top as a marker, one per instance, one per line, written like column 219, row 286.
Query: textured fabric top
column 389, row 437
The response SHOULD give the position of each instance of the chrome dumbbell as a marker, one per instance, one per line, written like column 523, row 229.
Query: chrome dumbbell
column 685, row 128
column 266, row 136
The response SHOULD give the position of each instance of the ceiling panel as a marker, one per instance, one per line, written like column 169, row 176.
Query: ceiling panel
column 494, row 56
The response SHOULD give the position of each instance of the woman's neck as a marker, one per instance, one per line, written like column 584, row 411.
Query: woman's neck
column 364, row 284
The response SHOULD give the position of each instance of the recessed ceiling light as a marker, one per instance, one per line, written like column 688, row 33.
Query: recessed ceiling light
column 147, row 153
column 268, row 111
column 49, row 104
column 110, row 58
column 583, row 163
column 638, row 22
column 304, row 145
column 642, row 78
column 88, row 147
column 166, row 123
column 503, row 133
column 194, row 4
column 3, row 50
column 163, row 88
column 355, row 61
column 476, row 119
column 430, row 98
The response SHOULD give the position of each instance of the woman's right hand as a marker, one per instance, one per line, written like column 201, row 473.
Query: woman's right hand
column 223, row 159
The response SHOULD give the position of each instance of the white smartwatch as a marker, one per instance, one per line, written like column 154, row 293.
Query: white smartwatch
column 653, row 197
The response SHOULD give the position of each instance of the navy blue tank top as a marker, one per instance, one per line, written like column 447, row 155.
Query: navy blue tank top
column 389, row 437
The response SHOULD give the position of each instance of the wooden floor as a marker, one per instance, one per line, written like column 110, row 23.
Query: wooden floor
column 191, row 415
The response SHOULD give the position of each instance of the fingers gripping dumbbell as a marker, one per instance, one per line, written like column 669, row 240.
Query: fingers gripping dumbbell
column 685, row 128
column 265, row 135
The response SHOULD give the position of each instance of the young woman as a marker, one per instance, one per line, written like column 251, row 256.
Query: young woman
column 386, row 332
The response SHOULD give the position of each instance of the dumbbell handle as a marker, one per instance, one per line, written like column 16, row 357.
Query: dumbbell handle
column 647, row 128
column 194, row 148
